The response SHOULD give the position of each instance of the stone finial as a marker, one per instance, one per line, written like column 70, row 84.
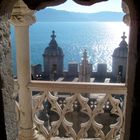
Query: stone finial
column 85, row 55
column 53, row 36
column 124, row 36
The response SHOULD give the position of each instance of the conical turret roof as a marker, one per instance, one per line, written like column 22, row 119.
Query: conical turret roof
column 122, row 50
column 53, row 49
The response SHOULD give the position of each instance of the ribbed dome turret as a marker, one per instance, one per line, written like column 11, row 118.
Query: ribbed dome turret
column 53, row 59
column 53, row 49
column 121, row 51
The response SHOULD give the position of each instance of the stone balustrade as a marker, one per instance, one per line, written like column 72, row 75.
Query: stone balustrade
column 79, row 110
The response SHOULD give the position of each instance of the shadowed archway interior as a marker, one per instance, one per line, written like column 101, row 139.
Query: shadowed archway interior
column 40, row 4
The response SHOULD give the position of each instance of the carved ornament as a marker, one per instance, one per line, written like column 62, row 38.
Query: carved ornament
column 22, row 15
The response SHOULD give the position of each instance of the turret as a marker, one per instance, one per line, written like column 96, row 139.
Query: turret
column 85, row 69
column 119, row 63
column 53, row 59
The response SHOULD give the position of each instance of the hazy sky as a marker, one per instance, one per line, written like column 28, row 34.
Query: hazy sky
column 111, row 5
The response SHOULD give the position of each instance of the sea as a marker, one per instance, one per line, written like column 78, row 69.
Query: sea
column 98, row 38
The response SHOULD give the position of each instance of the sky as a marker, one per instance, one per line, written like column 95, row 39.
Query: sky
column 111, row 5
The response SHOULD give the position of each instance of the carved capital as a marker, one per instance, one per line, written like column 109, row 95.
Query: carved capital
column 22, row 20
column 22, row 15
column 126, row 18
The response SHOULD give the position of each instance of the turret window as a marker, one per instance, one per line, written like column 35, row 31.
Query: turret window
column 120, row 70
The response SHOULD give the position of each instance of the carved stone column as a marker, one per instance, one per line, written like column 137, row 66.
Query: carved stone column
column 22, row 18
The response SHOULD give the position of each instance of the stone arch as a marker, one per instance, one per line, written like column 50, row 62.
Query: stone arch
column 6, row 7
column 40, row 4
column 88, row 2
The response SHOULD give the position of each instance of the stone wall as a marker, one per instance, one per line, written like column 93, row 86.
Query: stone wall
column 7, row 79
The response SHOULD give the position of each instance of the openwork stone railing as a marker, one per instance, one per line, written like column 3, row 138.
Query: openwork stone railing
column 79, row 110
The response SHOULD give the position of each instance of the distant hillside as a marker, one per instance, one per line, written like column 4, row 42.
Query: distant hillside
column 52, row 15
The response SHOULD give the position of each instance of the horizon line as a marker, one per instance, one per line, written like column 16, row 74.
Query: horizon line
column 82, row 12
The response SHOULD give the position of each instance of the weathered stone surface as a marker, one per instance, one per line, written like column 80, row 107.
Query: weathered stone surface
column 6, row 7
column 7, row 79
column 41, row 4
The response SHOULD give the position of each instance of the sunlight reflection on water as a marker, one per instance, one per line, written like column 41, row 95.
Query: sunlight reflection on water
column 99, row 38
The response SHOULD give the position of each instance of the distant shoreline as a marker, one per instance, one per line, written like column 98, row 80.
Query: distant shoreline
column 53, row 15
column 76, row 21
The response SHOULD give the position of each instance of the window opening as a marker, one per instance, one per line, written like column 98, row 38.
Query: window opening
column 99, row 35
column 77, row 49
column 120, row 70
